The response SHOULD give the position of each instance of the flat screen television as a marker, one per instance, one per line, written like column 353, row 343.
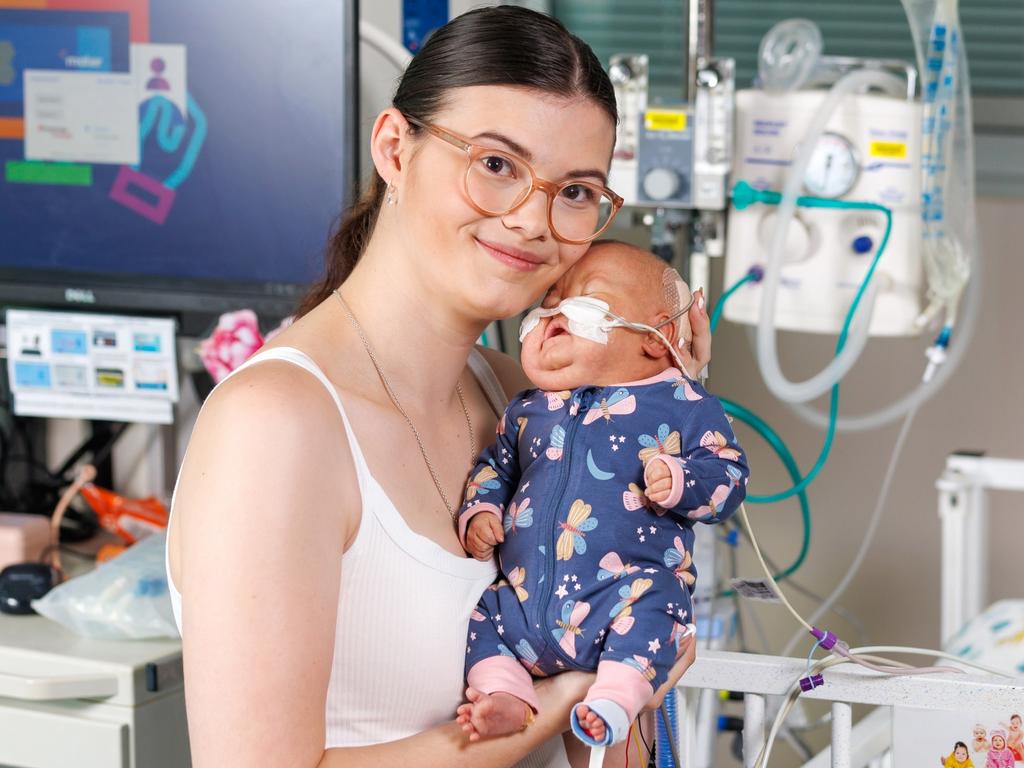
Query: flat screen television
column 173, row 157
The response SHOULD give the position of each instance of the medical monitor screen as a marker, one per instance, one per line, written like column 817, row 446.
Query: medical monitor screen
column 171, row 155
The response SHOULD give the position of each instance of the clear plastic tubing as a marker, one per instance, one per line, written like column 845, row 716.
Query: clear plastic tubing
column 767, row 353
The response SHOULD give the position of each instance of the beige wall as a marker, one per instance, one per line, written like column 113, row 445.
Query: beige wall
column 896, row 594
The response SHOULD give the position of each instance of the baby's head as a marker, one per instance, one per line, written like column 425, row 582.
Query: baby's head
column 998, row 739
column 1014, row 722
column 638, row 287
column 960, row 752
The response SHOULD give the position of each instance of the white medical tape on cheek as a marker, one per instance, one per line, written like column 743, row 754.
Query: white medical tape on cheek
column 588, row 331
column 588, row 318
column 532, row 319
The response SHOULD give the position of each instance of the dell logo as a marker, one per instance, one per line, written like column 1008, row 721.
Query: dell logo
column 79, row 296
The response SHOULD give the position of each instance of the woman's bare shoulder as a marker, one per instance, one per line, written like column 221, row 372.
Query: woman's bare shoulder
column 272, row 429
column 507, row 369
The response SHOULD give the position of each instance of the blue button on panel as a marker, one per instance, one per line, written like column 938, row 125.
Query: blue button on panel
column 863, row 244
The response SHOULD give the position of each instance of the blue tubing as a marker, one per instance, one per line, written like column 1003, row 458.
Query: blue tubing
column 664, row 748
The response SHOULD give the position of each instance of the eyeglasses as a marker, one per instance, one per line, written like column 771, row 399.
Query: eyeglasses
column 497, row 183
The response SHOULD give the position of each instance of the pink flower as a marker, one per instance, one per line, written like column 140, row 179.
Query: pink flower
column 234, row 340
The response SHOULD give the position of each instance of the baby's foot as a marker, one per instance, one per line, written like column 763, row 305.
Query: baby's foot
column 590, row 722
column 491, row 714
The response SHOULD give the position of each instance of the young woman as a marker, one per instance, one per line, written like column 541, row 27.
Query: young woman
column 323, row 594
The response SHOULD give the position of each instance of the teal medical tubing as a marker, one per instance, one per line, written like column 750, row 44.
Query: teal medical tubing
column 772, row 438
column 717, row 314
column 744, row 195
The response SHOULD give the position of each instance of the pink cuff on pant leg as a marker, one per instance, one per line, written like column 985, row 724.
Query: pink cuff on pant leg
column 504, row 674
column 623, row 684
column 678, row 479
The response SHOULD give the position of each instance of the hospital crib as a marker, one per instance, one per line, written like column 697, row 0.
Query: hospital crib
column 963, row 507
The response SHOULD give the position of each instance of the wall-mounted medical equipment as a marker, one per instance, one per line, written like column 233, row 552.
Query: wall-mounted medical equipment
column 674, row 155
column 870, row 151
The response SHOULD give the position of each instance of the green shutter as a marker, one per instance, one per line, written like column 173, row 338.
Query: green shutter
column 993, row 31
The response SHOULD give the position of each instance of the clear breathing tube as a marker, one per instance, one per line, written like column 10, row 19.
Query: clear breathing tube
column 950, row 255
column 767, row 352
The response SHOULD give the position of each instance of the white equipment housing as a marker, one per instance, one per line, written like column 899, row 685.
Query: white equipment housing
column 828, row 251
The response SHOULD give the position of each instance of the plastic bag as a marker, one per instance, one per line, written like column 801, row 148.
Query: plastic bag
column 123, row 599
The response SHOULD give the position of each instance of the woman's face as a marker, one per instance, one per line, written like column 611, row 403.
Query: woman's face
column 496, row 266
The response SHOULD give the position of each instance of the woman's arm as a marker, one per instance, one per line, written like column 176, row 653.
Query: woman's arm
column 260, row 571
column 447, row 746
column 266, row 503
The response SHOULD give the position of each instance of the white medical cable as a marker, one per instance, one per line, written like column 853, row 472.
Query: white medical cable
column 843, row 650
column 767, row 353
column 836, row 608
column 864, row 653
column 597, row 756
column 936, row 654
column 869, row 536
column 767, row 571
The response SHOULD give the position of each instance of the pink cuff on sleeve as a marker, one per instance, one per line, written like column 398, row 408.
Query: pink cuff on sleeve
column 470, row 512
column 504, row 674
column 678, row 478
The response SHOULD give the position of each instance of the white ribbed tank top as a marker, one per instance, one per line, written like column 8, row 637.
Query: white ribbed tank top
column 406, row 675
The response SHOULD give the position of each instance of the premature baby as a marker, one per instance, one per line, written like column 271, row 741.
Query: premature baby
column 590, row 494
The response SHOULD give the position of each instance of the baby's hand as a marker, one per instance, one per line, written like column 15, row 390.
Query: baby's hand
column 483, row 535
column 659, row 484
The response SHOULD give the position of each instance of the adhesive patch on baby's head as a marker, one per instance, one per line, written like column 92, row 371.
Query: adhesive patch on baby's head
column 647, row 282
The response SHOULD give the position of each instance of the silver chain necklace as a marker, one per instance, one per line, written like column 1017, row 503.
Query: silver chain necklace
column 398, row 406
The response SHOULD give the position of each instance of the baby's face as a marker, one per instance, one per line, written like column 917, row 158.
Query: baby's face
column 1014, row 723
column 998, row 742
column 960, row 754
column 555, row 360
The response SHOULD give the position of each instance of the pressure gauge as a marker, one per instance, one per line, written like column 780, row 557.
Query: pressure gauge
column 834, row 167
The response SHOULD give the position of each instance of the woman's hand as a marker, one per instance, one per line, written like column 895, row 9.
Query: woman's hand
column 686, row 656
column 570, row 687
column 697, row 353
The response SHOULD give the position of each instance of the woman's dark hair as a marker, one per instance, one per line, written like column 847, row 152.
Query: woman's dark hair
column 503, row 45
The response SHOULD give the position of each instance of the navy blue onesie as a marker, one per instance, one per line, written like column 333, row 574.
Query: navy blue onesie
column 594, row 575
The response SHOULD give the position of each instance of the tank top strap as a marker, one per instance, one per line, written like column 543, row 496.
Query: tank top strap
column 488, row 380
column 304, row 361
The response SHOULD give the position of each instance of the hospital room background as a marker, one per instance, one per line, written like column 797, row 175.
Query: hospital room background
column 896, row 595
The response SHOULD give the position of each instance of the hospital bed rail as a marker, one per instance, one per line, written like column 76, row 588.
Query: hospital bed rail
column 760, row 676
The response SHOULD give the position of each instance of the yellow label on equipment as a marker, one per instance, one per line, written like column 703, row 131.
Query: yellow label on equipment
column 664, row 120
column 892, row 150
